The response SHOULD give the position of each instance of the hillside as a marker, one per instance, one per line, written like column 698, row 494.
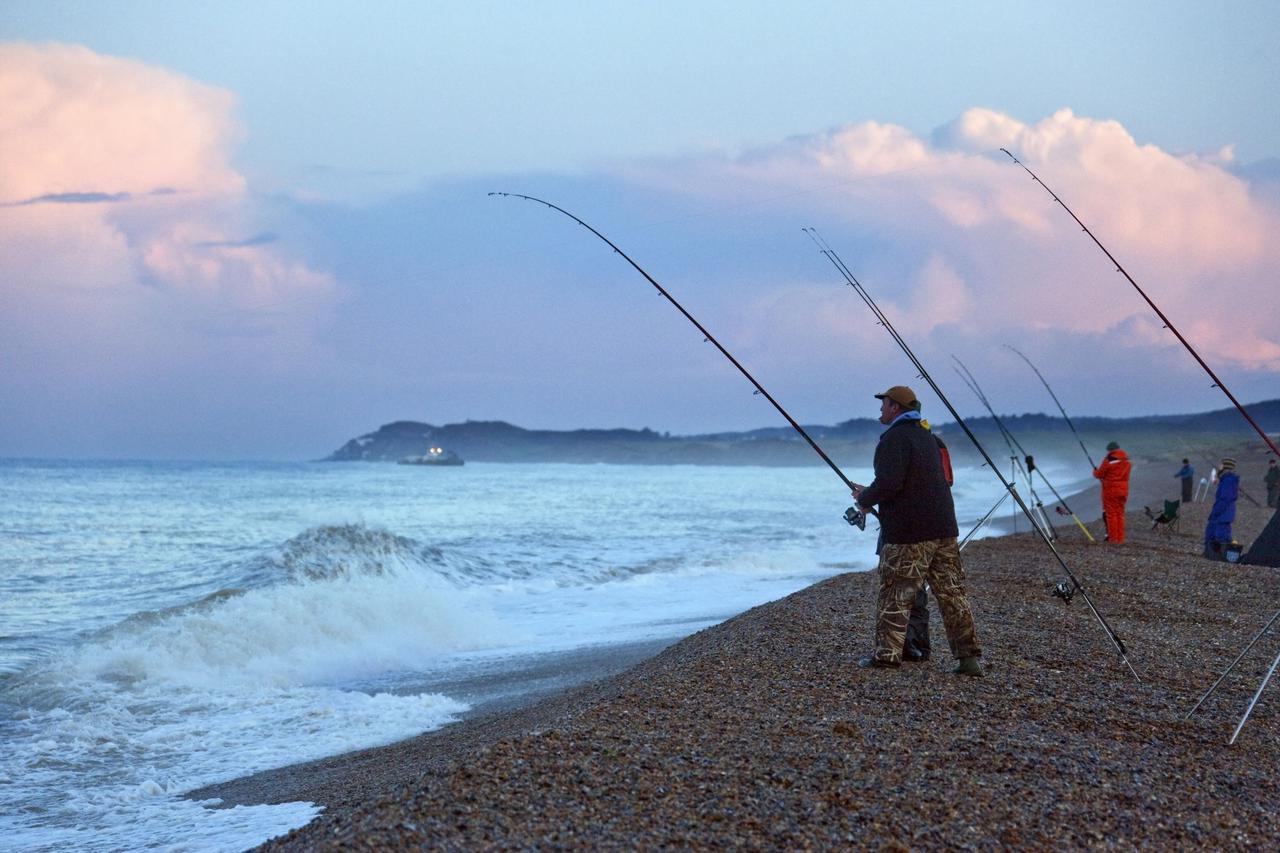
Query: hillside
column 845, row 442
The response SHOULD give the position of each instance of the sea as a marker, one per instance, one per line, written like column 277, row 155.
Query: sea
column 169, row 625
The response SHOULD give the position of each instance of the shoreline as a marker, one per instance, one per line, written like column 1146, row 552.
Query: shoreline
column 1142, row 588
column 553, row 685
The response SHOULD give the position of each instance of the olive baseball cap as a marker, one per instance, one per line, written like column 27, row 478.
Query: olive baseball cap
column 900, row 394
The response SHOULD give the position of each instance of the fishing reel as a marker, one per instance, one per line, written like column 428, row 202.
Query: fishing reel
column 1064, row 591
column 856, row 517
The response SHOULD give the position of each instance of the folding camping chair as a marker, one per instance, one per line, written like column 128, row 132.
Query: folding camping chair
column 1168, row 518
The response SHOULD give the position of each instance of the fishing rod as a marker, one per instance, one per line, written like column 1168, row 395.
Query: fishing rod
column 982, row 522
column 1168, row 324
column 1257, row 694
column 1065, row 417
column 1227, row 671
column 1010, row 441
column 853, row 516
column 1031, row 465
column 1062, row 590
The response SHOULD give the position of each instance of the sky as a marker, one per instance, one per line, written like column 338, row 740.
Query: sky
column 256, row 230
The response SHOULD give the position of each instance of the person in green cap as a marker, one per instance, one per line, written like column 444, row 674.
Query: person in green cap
column 1114, row 474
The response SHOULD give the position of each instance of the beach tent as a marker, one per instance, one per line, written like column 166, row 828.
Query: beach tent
column 1265, row 550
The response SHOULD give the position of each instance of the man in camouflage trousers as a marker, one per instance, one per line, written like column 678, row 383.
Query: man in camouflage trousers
column 918, row 522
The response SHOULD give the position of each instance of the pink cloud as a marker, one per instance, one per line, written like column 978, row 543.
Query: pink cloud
column 77, row 121
column 123, row 226
column 969, row 239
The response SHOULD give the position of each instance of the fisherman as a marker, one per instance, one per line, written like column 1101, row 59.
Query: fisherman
column 917, row 647
column 918, row 522
column 1114, row 474
column 1186, row 474
column 1217, row 533
column 1273, row 484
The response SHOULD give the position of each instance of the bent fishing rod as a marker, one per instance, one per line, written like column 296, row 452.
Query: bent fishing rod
column 1065, row 417
column 1168, row 324
column 1061, row 590
column 1031, row 465
column 707, row 336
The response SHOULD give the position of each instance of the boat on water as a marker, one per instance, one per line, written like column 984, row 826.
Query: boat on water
column 433, row 456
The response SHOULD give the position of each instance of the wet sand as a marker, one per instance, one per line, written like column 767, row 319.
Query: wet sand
column 762, row 731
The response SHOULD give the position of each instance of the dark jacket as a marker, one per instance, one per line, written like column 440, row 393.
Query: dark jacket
column 910, row 487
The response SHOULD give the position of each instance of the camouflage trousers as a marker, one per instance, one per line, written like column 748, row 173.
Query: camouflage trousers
column 904, row 569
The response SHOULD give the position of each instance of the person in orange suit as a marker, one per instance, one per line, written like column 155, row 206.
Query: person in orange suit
column 1114, row 474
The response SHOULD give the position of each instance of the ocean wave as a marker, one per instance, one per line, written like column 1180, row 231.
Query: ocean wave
column 331, row 552
column 352, row 615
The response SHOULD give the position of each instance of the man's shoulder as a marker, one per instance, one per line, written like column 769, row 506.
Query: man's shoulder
column 906, row 434
column 902, row 425
column 898, row 431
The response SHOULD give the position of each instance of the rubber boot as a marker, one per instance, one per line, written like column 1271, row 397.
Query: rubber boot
column 969, row 666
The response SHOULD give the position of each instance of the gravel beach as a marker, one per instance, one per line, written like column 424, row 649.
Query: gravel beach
column 762, row 732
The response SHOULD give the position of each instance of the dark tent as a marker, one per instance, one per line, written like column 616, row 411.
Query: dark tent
column 1265, row 550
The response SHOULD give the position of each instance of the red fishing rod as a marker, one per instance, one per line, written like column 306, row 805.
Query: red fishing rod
column 1168, row 324
column 1218, row 384
column 852, row 516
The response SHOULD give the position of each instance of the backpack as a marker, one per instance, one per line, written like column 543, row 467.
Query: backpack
column 942, row 452
column 946, row 462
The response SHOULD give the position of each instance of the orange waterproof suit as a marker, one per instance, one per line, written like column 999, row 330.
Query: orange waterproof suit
column 1114, row 474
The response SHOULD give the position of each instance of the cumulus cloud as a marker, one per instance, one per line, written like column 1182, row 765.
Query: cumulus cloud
column 123, row 224
column 963, row 236
column 78, row 121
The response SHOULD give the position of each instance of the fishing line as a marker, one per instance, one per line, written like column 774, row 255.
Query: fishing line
column 1062, row 590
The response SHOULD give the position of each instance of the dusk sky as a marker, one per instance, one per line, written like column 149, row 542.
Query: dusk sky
column 243, row 230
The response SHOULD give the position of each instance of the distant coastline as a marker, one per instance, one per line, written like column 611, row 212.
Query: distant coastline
column 849, row 441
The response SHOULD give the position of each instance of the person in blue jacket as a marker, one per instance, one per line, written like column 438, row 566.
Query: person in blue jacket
column 1186, row 474
column 1217, row 532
